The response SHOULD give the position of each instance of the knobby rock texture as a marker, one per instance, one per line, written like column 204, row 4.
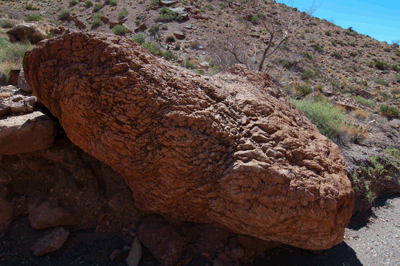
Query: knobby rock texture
column 222, row 150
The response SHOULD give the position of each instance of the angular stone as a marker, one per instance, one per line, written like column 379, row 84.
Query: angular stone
column 6, row 213
column 26, row 133
column 27, row 32
column 22, row 82
column 51, row 242
column 45, row 216
column 166, row 245
column 176, row 137
column 135, row 254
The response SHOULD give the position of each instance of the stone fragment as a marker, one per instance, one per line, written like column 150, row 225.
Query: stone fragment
column 45, row 216
column 180, row 35
column 4, row 108
column 24, row 105
column 140, row 27
column 166, row 245
column 167, row 2
column 135, row 253
column 27, row 32
column 26, row 133
column 175, row 137
column 6, row 213
column 51, row 242
column 22, row 82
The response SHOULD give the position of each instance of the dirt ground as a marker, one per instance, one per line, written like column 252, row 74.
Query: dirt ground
column 372, row 238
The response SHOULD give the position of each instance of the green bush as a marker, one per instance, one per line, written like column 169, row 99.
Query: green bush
column 307, row 74
column 317, row 48
column 6, row 24
column 88, row 4
column 169, row 55
column 303, row 89
column 107, row 2
column 123, row 13
column 154, row 2
column 64, row 15
column 366, row 102
column 114, row 2
column 324, row 115
column 189, row 64
column 154, row 29
column 11, row 55
column 328, row 33
column 97, row 20
column 350, row 31
column 394, row 68
column 120, row 30
column 389, row 111
column 139, row 38
column 29, row 7
column 34, row 17
column 167, row 15
column 151, row 47
column 306, row 55
column 381, row 82
column 170, row 38
column 72, row 2
column 337, row 55
column 381, row 65
column 97, row 7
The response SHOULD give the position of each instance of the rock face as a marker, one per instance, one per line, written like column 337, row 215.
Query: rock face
column 6, row 213
column 220, row 150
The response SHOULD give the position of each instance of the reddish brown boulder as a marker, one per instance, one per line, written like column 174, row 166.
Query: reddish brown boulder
column 51, row 242
column 221, row 150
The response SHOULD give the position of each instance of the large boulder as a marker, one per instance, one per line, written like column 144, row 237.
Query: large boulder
column 220, row 150
column 27, row 32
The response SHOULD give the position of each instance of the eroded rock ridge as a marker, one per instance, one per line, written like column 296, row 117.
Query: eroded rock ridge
column 219, row 149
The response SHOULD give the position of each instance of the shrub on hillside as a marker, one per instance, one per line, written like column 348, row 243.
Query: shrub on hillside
column 139, row 38
column 303, row 89
column 88, row 4
column 366, row 102
column 64, row 15
column 123, row 13
column 34, row 17
column 114, row 2
column 170, row 38
column 97, row 20
column 97, row 7
column 337, row 55
column 381, row 65
column 6, row 24
column 324, row 115
column 350, row 31
column 72, row 2
column 167, row 15
column 389, row 111
column 154, row 29
column 120, row 30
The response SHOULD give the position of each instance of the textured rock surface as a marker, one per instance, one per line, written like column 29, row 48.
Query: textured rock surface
column 220, row 149
column 44, row 216
column 26, row 133
column 22, row 82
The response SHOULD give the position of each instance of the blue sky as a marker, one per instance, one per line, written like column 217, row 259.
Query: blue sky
column 380, row 19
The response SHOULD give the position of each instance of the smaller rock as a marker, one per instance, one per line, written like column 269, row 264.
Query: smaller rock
column 27, row 32
column 45, row 216
column 26, row 133
column 51, row 242
column 135, row 254
column 24, row 105
column 14, row 73
column 141, row 27
column 6, row 213
column 22, row 84
column 167, row 2
column 236, row 253
column 7, row 91
column 4, row 108
column 180, row 35
column 218, row 262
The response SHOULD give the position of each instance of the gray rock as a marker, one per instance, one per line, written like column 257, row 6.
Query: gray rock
column 26, row 133
column 51, row 242
column 22, row 82
column 22, row 104
column 7, row 91
column 180, row 35
column 27, row 32
column 135, row 254
column 167, row 2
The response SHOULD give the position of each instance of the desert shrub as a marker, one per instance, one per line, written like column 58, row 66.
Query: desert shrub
column 97, row 7
column 353, row 44
column 170, row 38
column 317, row 48
column 34, row 17
column 151, row 47
column 303, row 89
column 324, row 115
column 114, row 2
column 120, row 30
column 337, row 55
column 107, row 2
column 381, row 65
column 288, row 64
column 169, row 55
column 6, row 24
column 154, row 29
column 11, row 55
column 154, row 2
column 123, row 13
column 97, row 20
column 167, row 15
column 64, row 15
column 88, row 4
column 139, row 38
column 307, row 74
column 363, row 101
column 189, row 64
column 350, row 31
column 394, row 68
column 328, row 33
column 29, row 7
column 389, row 111
column 381, row 82
column 306, row 55
column 210, row 7
column 72, row 2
